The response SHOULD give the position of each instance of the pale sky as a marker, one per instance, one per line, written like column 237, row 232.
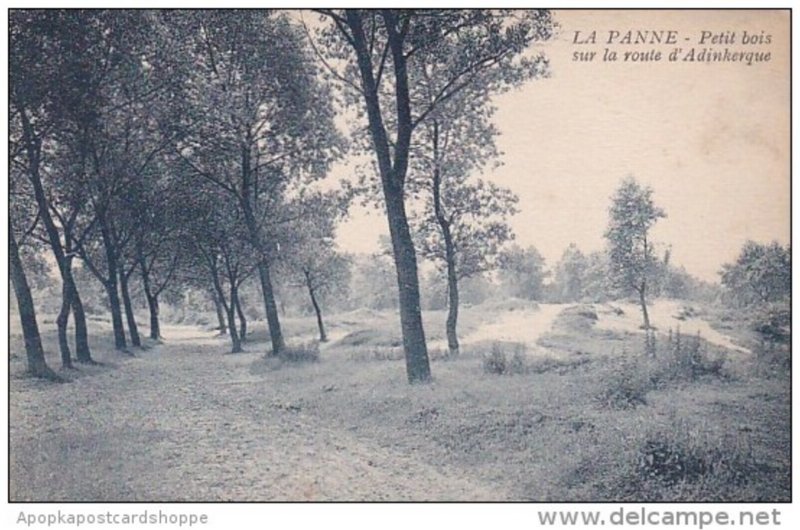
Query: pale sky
column 711, row 139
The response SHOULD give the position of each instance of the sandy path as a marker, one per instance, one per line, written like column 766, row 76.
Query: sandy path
column 184, row 422
column 663, row 316
column 524, row 326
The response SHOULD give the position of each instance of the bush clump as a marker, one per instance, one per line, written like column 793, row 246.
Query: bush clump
column 682, row 460
column 688, row 358
column 677, row 359
column 307, row 352
column 677, row 461
column 499, row 361
column 772, row 322
column 627, row 385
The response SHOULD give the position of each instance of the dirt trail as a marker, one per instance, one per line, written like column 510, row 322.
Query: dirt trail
column 182, row 422
column 525, row 326
column 664, row 316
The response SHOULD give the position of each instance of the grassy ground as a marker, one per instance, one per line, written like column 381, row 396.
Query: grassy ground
column 581, row 414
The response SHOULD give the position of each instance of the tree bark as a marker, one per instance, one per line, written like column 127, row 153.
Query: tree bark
column 449, row 250
column 242, row 318
column 236, row 345
column 152, row 299
column 155, row 325
column 130, row 317
column 112, row 288
column 223, row 328
column 452, row 309
column 236, row 340
column 61, row 322
column 27, row 314
column 416, row 351
column 392, row 181
column 271, row 309
column 267, row 292
column 82, row 351
column 64, row 262
column 322, row 336
column 643, row 302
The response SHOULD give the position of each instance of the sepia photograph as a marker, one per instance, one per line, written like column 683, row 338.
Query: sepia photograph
column 398, row 255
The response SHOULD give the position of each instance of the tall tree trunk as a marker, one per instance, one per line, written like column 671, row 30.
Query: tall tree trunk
column 27, row 314
column 152, row 298
column 112, row 287
column 416, row 351
column 155, row 324
column 643, row 302
column 449, row 249
column 236, row 340
column 247, row 202
column 130, row 317
column 62, row 321
column 393, row 175
column 223, row 329
column 322, row 336
column 64, row 262
column 82, row 351
column 452, row 309
column 236, row 345
column 270, row 309
column 112, row 292
column 242, row 318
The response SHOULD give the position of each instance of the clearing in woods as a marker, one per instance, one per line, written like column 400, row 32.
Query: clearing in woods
column 183, row 420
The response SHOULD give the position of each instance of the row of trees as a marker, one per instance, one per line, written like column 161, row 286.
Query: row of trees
column 182, row 146
column 173, row 146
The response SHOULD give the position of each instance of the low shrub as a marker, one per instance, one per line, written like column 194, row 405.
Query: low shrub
column 376, row 353
column 541, row 365
column 772, row 322
column 300, row 353
column 772, row 359
column 685, row 461
column 678, row 359
column 688, row 359
column 626, row 384
column 505, row 359
column 673, row 462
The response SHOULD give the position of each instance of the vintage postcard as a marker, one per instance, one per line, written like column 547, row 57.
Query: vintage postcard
column 536, row 255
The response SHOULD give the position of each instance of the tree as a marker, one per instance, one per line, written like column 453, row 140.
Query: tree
column 217, row 238
column 570, row 275
column 310, row 254
column 89, row 91
column 36, row 364
column 761, row 274
column 463, row 229
column 259, row 123
column 383, row 51
column 522, row 272
column 632, row 257
column 39, row 71
column 463, row 225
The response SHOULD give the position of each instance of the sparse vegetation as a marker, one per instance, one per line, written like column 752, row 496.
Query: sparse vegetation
column 676, row 462
column 505, row 359
column 304, row 352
